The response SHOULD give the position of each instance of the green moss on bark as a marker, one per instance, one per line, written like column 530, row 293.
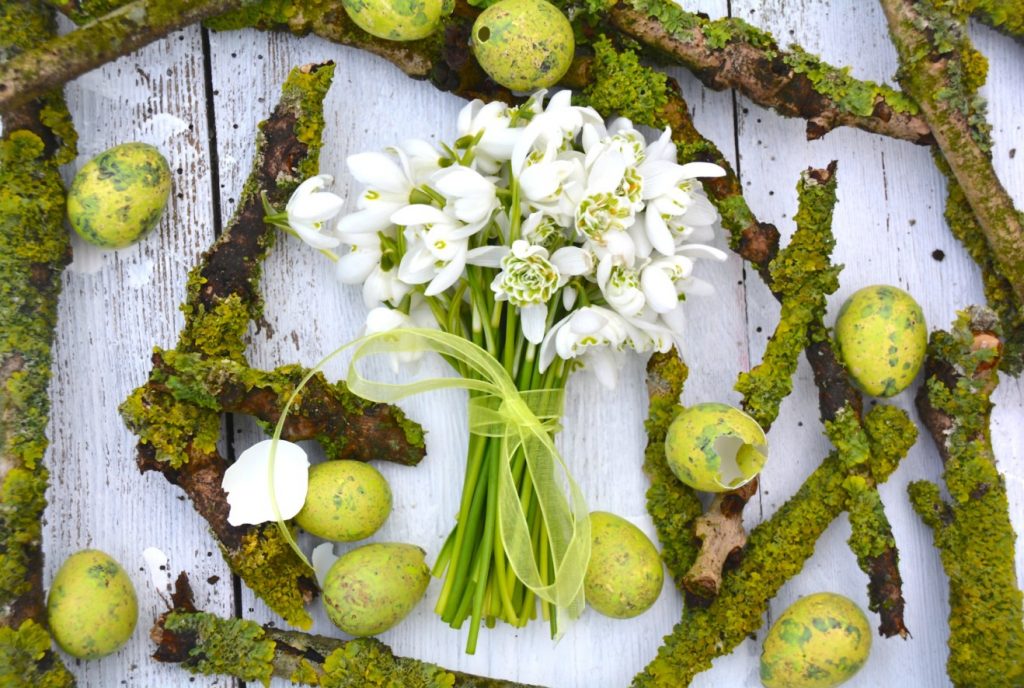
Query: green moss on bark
column 620, row 84
column 27, row 660
column 802, row 276
column 974, row 534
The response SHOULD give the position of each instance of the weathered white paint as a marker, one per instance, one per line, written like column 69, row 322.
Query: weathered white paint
column 888, row 222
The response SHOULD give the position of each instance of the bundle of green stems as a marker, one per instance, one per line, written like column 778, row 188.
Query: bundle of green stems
column 479, row 583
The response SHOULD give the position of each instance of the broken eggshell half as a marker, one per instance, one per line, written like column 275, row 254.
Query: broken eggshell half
column 247, row 483
column 714, row 447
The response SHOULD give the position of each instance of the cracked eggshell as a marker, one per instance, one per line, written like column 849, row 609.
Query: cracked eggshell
column 398, row 20
column 119, row 195
column 345, row 501
column 523, row 45
column 882, row 339
column 624, row 575
column 821, row 641
column 373, row 587
column 715, row 447
column 92, row 608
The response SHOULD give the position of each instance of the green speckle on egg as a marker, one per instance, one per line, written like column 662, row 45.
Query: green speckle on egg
column 373, row 587
column 821, row 641
column 119, row 195
column 624, row 574
column 882, row 338
column 92, row 607
column 523, row 45
column 398, row 20
column 345, row 501
column 715, row 447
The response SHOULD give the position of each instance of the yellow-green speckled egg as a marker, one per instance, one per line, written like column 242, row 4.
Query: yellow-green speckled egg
column 715, row 447
column 119, row 195
column 92, row 607
column 821, row 641
column 523, row 45
column 624, row 575
column 398, row 20
column 373, row 587
column 345, row 501
column 882, row 339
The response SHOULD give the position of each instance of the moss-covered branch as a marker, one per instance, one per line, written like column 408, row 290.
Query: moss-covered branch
column 345, row 425
column 941, row 71
column 124, row 30
column 778, row 548
column 973, row 533
column 207, row 644
column 730, row 53
column 672, row 505
column 178, row 438
column 1003, row 15
column 34, row 249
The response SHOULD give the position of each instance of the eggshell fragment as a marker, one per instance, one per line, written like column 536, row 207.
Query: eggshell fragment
column 715, row 447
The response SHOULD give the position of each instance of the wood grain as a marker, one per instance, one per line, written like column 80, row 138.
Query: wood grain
column 117, row 305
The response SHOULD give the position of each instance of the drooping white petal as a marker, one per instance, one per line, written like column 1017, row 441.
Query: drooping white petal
column 660, row 176
column 312, row 236
column 659, row 289
column 533, row 319
column 696, row 287
column 486, row 256
column 378, row 171
column 659, row 233
column 605, row 365
column 572, row 261
column 419, row 214
column 356, row 265
column 692, row 170
column 316, row 207
column 569, row 298
column 370, row 220
column 702, row 251
column 448, row 275
column 606, row 174
column 247, row 485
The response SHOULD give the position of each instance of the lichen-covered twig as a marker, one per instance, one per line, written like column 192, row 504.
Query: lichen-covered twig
column 179, row 438
column 672, row 505
column 941, row 71
column 124, row 30
column 345, row 425
column 973, row 533
column 1003, row 15
column 34, row 249
column 730, row 53
column 802, row 276
column 206, row 644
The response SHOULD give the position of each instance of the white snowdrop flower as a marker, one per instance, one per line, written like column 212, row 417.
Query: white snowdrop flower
column 588, row 328
column 310, row 210
column 385, row 319
column 384, row 286
column 436, row 248
column 471, row 197
column 676, row 204
column 247, row 486
column 553, row 128
column 542, row 229
column 364, row 254
column 658, row 280
column 388, row 186
column 621, row 288
column 491, row 125
column 529, row 277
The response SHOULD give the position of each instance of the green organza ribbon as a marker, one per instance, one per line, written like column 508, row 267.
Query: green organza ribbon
column 523, row 421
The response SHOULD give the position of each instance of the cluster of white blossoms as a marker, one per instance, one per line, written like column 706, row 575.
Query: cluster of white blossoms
column 588, row 230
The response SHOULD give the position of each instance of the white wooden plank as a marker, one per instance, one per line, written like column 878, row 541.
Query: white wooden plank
column 888, row 223
column 115, row 307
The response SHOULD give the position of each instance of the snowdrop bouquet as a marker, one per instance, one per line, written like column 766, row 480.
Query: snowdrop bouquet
column 548, row 240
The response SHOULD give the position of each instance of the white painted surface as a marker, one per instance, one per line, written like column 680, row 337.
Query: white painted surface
column 116, row 306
